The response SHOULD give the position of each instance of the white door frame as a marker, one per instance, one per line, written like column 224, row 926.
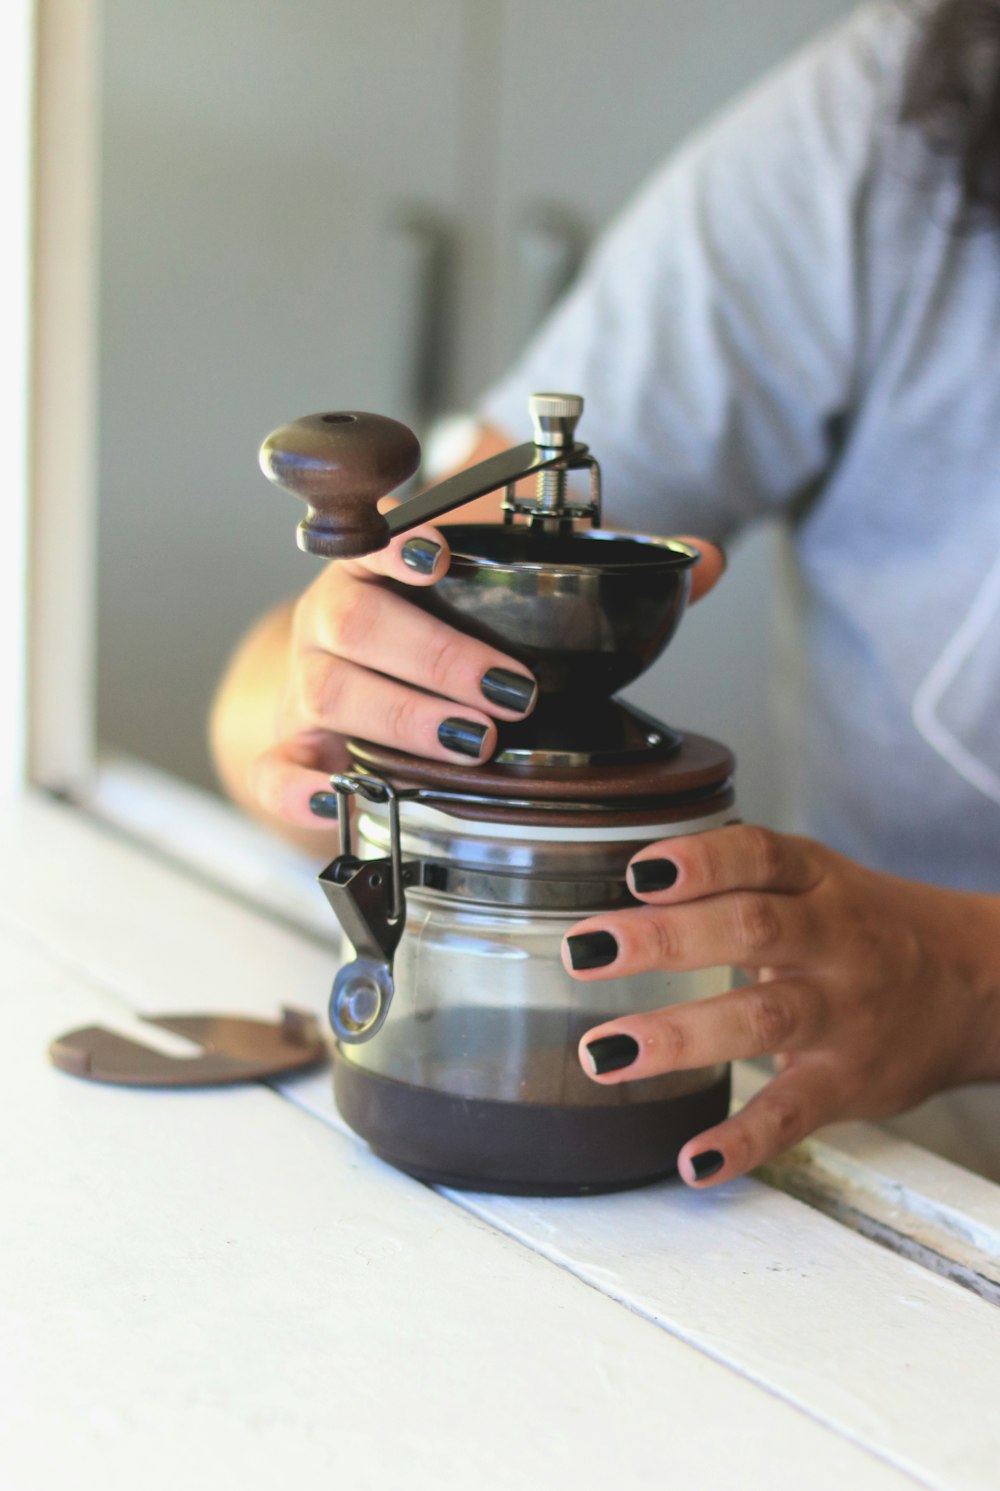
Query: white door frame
column 16, row 102
column 47, row 655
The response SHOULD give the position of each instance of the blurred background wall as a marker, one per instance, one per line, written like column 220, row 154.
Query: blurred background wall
column 368, row 204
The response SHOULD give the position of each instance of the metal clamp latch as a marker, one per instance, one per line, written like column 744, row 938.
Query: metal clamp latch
column 369, row 900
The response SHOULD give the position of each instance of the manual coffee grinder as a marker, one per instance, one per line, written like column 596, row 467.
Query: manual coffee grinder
column 456, row 1024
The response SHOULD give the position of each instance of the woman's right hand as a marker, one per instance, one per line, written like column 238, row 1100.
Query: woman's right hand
column 364, row 662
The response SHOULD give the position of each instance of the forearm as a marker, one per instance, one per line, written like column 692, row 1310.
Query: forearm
column 244, row 718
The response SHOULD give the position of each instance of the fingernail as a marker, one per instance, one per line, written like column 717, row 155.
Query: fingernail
column 324, row 804
column 591, row 950
column 509, row 690
column 611, row 1052
column 709, row 1162
column 653, row 874
column 421, row 554
column 464, row 736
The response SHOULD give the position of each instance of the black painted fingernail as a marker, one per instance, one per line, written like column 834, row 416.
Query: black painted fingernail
column 709, row 1162
column 324, row 804
column 653, row 874
column 509, row 690
column 612, row 1052
column 421, row 554
column 464, row 736
column 591, row 950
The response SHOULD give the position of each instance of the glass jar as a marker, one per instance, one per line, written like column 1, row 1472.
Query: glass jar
column 474, row 1079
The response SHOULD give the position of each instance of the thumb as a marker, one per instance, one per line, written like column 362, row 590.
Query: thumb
column 712, row 567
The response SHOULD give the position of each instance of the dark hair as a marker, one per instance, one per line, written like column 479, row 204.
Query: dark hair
column 953, row 93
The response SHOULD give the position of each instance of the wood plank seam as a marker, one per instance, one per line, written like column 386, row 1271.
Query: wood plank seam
column 945, row 1241
column 938, row 1239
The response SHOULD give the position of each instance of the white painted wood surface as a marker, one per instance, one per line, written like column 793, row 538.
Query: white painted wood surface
column 210, row 1289
column 868, row 1342
column 216, row 1286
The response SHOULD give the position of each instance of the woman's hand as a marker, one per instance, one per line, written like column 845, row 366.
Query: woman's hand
column 872, row 992
column 364, row 661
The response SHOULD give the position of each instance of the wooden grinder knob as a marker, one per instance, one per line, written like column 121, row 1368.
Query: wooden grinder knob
column 340, row 465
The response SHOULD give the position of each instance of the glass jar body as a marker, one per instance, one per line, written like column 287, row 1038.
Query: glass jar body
column 475, row 1081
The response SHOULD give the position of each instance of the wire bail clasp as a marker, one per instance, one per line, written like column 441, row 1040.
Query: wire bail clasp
column 368, row 898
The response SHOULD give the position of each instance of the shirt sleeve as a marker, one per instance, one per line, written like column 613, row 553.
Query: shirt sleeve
column 714, row 330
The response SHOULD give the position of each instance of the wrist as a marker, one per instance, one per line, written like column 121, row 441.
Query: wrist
column 975, row 934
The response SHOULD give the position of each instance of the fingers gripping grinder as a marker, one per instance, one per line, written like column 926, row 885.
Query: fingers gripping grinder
column 456, row 1023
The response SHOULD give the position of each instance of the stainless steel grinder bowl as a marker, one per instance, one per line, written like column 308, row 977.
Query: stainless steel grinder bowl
column 587, row 612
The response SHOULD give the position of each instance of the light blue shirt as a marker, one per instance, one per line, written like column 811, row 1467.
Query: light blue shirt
column 787, row 319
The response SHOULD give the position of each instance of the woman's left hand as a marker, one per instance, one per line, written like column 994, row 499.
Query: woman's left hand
column 872, row 992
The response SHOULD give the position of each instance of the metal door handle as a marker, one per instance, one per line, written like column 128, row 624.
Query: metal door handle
column 548, row 247
column 415, row 258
